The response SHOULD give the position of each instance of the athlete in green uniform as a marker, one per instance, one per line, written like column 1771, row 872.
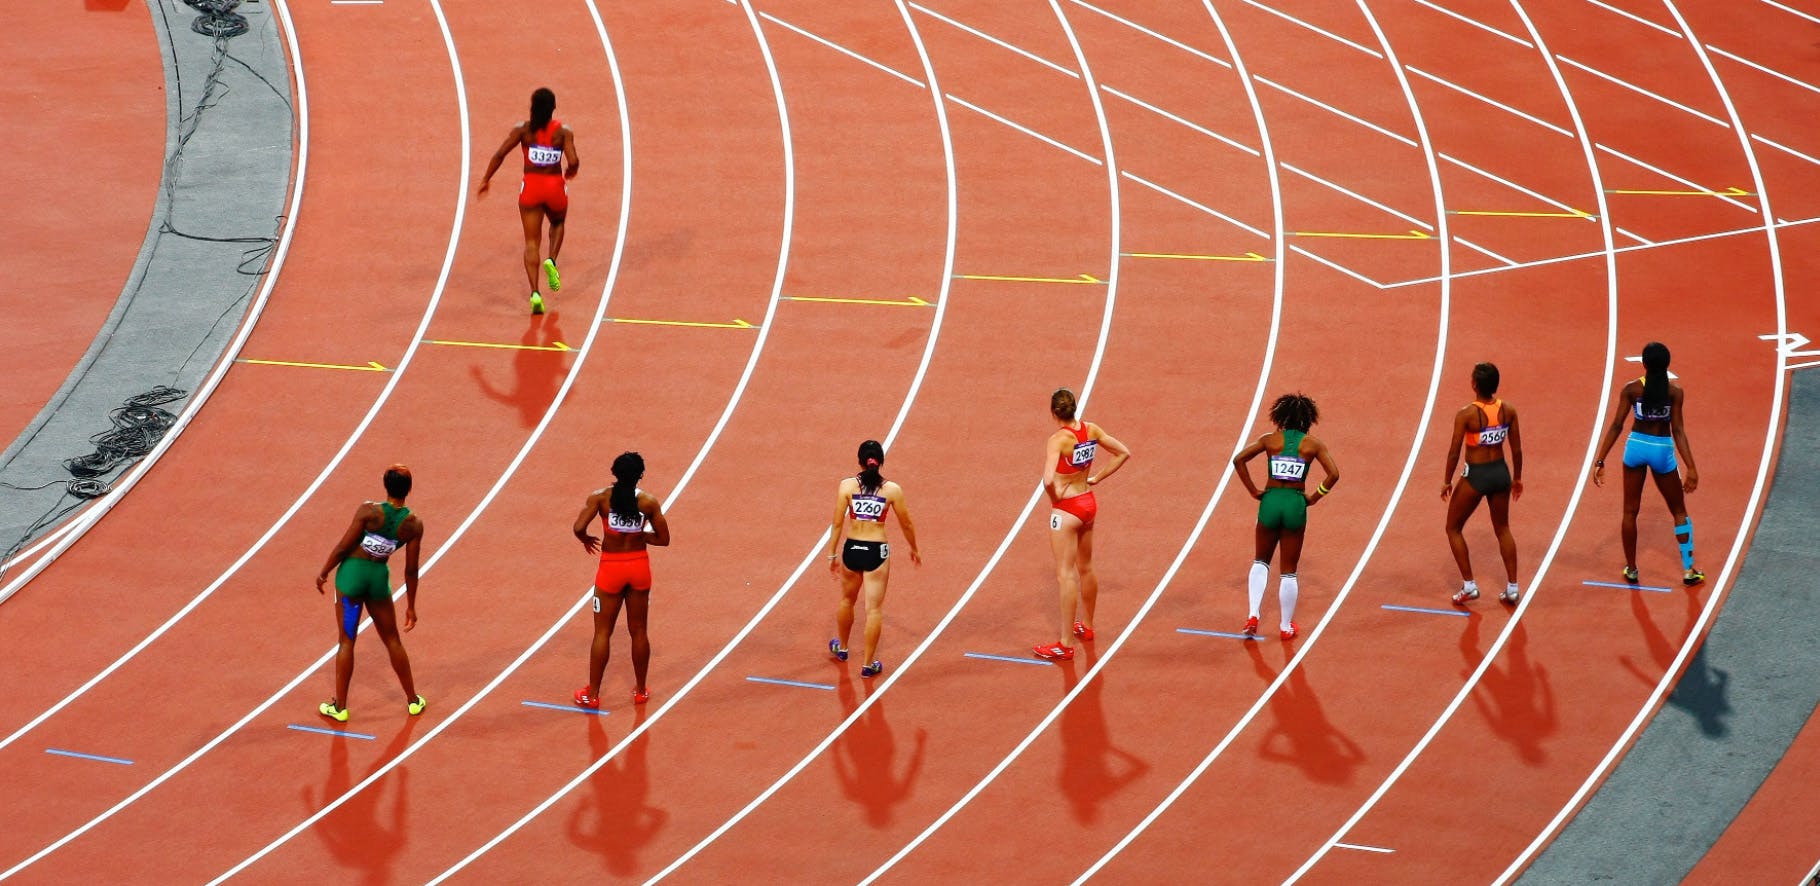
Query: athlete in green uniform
column 362, row 579
column 1284, row 500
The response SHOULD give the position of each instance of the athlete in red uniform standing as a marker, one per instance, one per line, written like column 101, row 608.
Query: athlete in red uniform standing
column 549, row 160
column 1067, row 474
column 633, row 519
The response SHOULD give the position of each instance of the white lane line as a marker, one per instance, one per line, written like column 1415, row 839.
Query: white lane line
column 1488, row 100
column 993, row 40
column 1477, row 24
column 1194, row 126
column 1483, row 251
column 1201, row 206
column 1637, row 237
column 1325, row 33
column 1772, row 432
column 1360, row 846
column 1787, row 150
column 1514, row 186
column 1093, row 371
column 1593, row 434
column 1163, row 37
column 1338, row 267
column 1641, row 91
column 1673, row 177
column 1636, row 18
column 43, row 542
column 1792, row 11
column 1333, row 110
column 356, row 2
column 843, row 50
column 1773, row 73
column 1359, row 197
column 1025, row 130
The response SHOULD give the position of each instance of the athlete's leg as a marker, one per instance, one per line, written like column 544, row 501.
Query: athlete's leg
column 1260, row 567
column 1670, row 486
column 1090, row 582
column 849, row 594
column 638, row 610
column 532, row 218
column 1633, row 500
column 875, row 582
column 1498, row 503
column 347, row 620
column 1288, row 585
column 606, row 614
column 1064, row 534
column 557, row 227
column 1460, row 506
column 385, row 623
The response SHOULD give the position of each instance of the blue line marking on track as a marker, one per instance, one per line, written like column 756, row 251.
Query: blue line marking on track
column 565, row 707
column 81, row 756
column 1034, row 661
column 1227, row 634
column 1626, row 586
column 829, row 687
column 1424, row 611
column 338, row 732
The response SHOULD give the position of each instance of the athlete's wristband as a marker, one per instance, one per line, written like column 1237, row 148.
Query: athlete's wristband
column 1322, row 489
column 1599, row 464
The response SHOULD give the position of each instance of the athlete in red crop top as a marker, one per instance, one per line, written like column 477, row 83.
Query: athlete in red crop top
column 1484, row 427
column 624, row 577
column 549, row 160
column 1067, row 474
column 858, row 554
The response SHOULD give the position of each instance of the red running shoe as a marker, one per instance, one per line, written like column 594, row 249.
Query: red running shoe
column 1054, row 652
column 1251, row 626
column 640, row 696
column 1082, row 631
column 1294, row 629
column 584, row 700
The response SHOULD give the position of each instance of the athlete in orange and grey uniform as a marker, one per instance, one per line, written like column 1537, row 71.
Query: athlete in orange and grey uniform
column 1485, row 426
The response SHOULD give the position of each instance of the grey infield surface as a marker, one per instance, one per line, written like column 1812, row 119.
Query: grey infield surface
column 1746, row 694
column 227, row 172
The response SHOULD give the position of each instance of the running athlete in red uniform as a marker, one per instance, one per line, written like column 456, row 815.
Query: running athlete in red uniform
column 1485, row 426
column 1655, row 406
column 633, row 519
column 549, row 160
column 1067, row 474
column 863, row 557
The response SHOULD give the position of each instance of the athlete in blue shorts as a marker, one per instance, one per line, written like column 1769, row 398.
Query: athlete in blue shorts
column 1655, row 406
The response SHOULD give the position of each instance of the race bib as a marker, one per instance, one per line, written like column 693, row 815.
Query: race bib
column 543, row 156
column 624, row 526
column 1083, row 453
column 1492, row 436
column 1055, row 521
column 378, row 546
column 1288, row 468
column 884, row 551
column 869, row 507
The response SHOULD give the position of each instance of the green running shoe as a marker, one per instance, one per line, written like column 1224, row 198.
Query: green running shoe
column 329, row 710
column 536, row 303
column 416, row 707
column 549, row 273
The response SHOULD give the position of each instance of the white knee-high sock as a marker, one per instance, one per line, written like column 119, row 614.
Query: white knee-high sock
column 1260, row 575
column 1287, row 592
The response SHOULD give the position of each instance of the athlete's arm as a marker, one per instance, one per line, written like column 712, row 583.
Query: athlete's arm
column 895, row 493
column 1625, row 399
column 1516, row 453
column 836, row 526
column 348, row 539
column 411, row 550
column 589, row 510
column 1332, row 478
column 1453, row 450
column 1052, row 451
column 1120, row 453
column 1240, row 461
column 1691, row 480
column 659, row 535
column 499, row 156
column 568, row 153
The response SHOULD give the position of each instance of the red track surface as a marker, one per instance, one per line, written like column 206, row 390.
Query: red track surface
column 860, row 178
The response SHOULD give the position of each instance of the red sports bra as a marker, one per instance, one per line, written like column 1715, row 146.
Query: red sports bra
column 1080, row 458
column 540, row 147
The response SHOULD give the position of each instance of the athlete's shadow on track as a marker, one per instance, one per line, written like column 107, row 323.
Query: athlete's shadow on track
column 1302, row 735
column 1092, row 769
column 536, row 375
column 863, row 759
column 1517, row 702
column 1702, row 688
column 354, row 835
column 616, row 820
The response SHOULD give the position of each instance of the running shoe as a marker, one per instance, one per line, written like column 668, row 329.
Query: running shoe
column 838, row 651
column 1511, row 596
column 1054, row 652
column 1082, row 631
column 329, row 710
column 1630, row 574
column 640, row 696
column 536, row 303
column 584, row 700
column 1251, row 626
column 1465, row 595
column 872, row 670
column 549, row 273
column 1693, row 577
column 416, row 707
column 1290, row 632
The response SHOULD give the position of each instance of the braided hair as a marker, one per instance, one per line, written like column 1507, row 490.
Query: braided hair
column 628, row 468
column 1655, row 377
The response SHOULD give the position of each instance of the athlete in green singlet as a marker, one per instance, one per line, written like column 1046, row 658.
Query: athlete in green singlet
column 362, row 579
column 1284, row 500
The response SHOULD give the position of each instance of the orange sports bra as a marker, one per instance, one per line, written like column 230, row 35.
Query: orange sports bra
column 1080, row 458
column 1495, row 430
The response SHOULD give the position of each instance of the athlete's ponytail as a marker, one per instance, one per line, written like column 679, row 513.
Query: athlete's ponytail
column 1655, row 377
column 543, row 107
column 627, row 469
column 871, row 457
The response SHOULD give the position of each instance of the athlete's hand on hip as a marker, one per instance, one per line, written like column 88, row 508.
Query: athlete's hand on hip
column 320, row 581
column 410, row 617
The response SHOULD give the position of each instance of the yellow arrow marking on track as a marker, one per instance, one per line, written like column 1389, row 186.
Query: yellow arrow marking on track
column 372, row 366
column 1728, row 192
column 556, row 346
column 1249, row 256
column 1569, row 214
column 1412, row 235
column 1084, row 278
column 736, row 324
column 911, row 302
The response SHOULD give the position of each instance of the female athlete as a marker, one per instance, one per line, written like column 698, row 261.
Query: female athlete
column 1484, row 426
column 1655, row 406
column 1284, row 500
column 633, row 519
column 864, row 559
column 1067, row 474
column 549, row 159
column 362, row 579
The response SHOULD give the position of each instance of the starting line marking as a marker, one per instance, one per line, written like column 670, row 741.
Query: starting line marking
column 1626, row 586
column 554, row 346
column 1227, row 634
column 565, row 707
column 372, row 365
column 81, row 756
column 1249, row 256
column 911, row 302
column 336, row 732
column 1083, row 278
column 797, row 683
column 1364, row 848
column 736, row 324
column 1412, row 235
column 1576, row 213
column 1425, row 611
column 1013, row 660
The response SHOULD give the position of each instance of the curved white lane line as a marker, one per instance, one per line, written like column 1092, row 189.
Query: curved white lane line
column 1592, row 440
column 71, row 532
column 1377, row 535
column 1770, row 438
column 1268, row 155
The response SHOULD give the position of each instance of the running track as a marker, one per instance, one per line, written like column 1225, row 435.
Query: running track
column 879, row 152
